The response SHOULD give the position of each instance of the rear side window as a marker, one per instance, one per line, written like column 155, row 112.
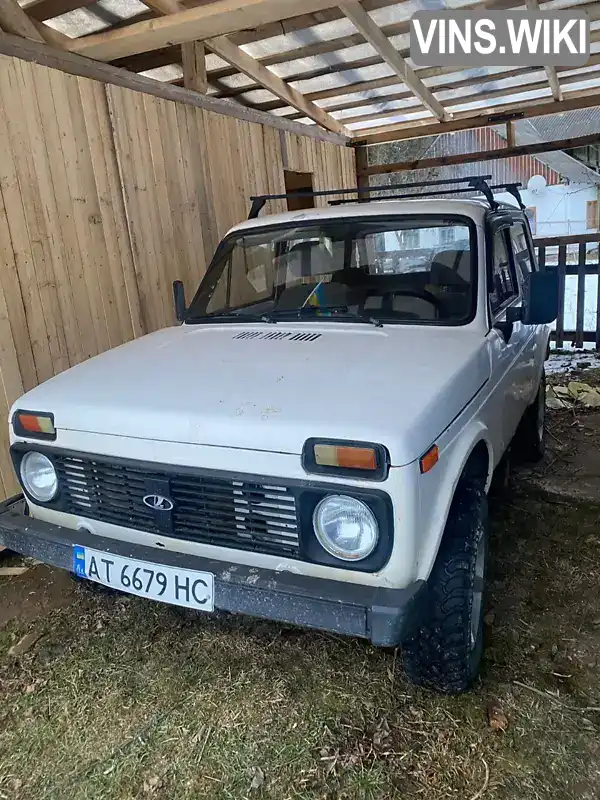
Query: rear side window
column 504, row 287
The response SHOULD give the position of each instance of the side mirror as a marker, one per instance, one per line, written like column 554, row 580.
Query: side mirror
column 540, row 298
column 179, row 299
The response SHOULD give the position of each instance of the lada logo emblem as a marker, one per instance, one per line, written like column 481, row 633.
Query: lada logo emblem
column 157, row 502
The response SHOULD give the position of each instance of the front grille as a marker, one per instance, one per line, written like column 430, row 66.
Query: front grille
column 220, row 511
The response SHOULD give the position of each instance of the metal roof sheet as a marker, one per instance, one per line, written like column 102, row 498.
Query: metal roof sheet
column 323, row 56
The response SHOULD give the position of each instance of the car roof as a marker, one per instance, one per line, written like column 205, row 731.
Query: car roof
column 473, row 208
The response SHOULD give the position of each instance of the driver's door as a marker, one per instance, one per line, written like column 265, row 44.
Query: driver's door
column 509, row 344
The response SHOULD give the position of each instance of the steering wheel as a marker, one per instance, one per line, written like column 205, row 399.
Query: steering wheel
column 422, row 295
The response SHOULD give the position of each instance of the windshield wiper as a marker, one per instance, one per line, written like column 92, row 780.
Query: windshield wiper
column 335, row 312
column 230, row 316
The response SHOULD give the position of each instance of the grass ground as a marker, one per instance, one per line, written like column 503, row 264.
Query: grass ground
column 121, row 698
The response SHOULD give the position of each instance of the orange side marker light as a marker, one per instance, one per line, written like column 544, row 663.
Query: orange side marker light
column 430, row 459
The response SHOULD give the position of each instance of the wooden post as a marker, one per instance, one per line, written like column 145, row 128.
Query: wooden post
column 193, row 57
column 362, row 162
column 560, row 320
column 580, row 321
column 510, row 134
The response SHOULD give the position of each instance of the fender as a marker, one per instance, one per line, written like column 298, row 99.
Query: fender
column 438, row 496
column 541, row 356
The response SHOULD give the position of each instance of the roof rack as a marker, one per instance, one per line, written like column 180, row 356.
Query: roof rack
column 484, row 188
column 476, row 183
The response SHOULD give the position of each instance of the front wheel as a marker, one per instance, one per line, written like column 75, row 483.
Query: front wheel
column 446, row 652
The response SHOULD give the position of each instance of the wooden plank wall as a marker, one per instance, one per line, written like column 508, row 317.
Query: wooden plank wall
column 67, row 285
column 188, row 175
column 106, row 196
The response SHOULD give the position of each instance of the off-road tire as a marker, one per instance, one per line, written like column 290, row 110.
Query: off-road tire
column 446, row 652
column 529, row 441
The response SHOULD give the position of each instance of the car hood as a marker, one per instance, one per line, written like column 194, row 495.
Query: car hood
column 271, row 387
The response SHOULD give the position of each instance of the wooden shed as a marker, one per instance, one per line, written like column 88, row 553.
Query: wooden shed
column 108, row 194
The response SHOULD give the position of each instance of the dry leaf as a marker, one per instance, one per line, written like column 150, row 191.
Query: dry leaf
column 257, row 780
column 590, row 399
column 555, row 402
column 497, row 719
column 24, row 644
column 575, row 388
column 560, row 391
column 489, row 618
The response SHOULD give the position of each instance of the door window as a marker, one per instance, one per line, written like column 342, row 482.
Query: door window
column 504, row 287
column 521, row 251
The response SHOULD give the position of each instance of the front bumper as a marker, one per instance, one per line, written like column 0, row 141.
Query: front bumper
column 383, row 616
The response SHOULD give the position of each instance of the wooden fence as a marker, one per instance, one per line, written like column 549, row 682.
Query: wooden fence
column 575, row 255
column 106, row 196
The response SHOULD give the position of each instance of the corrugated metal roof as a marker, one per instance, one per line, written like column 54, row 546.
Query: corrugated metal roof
column 323, row 56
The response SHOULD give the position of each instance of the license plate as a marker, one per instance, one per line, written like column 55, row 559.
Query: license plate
column 179, row 587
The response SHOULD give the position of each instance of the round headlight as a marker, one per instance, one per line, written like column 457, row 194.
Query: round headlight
column 39, row 476
column 345, row 527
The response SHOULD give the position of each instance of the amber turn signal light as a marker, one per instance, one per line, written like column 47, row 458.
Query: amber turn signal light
column 327, row 455
column 338, row 457
column 430, row 459
column 32, row 424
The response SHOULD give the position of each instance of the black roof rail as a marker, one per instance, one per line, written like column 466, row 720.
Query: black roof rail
column 484, row 188
column 259, row 201
column 476, row 183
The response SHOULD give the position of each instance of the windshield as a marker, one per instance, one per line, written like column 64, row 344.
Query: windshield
column 396, row 271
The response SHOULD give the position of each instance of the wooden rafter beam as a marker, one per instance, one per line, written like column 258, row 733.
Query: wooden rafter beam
column 483, row 155
column 539, row 84
column 320, row 48
column 192, row 54
column 350, row 67
column 467, row 120
column 350, row 102
column 454, row 81
column 194, row 70
column 139, row 63
column 51, row 35
column 74, row 64
column 228, row 51
column 14, row 20
column 47, row 9
column 164, row 7
column 142, row 62
column 203, row 22
column 533, row 5
column 392, row 80
column 375, row 36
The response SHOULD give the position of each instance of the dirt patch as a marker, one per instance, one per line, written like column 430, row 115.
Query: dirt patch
column 571, row 466
column 30, row 595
